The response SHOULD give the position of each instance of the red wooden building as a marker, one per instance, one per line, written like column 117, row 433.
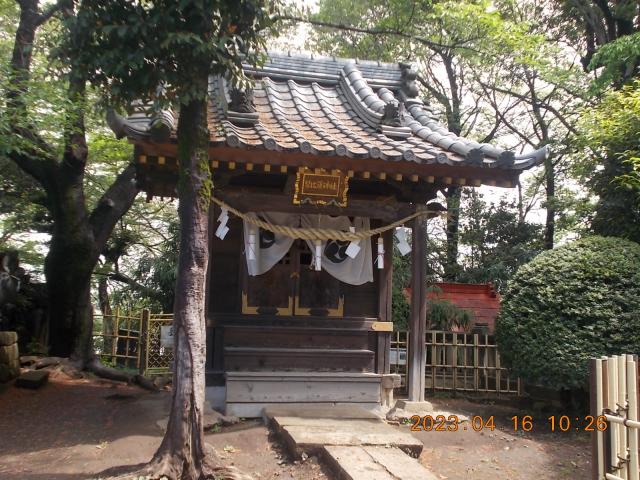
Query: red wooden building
column 315, row 145
column 480, row 299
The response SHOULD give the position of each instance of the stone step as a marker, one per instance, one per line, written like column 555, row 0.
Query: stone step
column 33, row 379
column 310, row 430
column 374, row 463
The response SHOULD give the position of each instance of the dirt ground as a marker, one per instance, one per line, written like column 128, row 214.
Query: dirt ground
column 75, row 429
column 504, row 453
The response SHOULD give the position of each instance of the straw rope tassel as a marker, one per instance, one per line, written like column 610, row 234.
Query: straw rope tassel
column 316, row 233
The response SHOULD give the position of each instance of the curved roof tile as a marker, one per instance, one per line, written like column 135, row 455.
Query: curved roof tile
column 330, row 106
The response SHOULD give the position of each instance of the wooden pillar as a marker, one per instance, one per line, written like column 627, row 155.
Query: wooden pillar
column 417, row 322
column 385, row 277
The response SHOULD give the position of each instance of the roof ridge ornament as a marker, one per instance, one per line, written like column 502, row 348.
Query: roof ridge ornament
column 408, row 80
column 241, row 108
column 242, row 100
column 394, row 120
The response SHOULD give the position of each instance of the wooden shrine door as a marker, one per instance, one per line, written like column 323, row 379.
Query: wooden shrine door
column 293, row 287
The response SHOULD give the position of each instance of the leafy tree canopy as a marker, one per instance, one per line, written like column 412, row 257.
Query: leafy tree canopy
column 609, row 141
column 578, row 301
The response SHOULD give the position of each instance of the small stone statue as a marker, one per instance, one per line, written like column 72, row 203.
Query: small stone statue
column 394, row 114
column 241, row 100
column 409, row 80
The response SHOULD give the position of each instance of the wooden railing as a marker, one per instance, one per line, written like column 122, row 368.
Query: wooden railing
column 457, row 362
column 615, row 408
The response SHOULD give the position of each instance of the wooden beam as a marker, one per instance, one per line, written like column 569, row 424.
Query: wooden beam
column 299, row 159
column 247, row 200
column 416, row 357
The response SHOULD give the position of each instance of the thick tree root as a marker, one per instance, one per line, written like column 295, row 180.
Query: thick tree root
column 172, row 467
column 75, row 369
column 94, row 366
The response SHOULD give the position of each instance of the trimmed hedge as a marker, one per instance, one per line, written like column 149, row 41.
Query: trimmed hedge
column 578, row 301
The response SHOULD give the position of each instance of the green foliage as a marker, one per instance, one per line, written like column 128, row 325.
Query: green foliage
column 496, row 241
column 156, row 272
column 578, row 301
column 618, row 60
column 148, row 50
column 444, row 315
column 609, row 139
column 401, row 279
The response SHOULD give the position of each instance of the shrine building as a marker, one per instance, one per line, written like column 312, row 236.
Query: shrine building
column 314, row 168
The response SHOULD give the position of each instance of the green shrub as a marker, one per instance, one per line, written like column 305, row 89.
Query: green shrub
column 578, row 301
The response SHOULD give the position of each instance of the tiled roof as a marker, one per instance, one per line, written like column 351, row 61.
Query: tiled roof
column 331, row 107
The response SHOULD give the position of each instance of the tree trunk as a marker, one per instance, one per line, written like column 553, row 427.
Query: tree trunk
column 182, row 453
column 550, row 223
column 68, row 267
column 78, row 236
column 453, row 226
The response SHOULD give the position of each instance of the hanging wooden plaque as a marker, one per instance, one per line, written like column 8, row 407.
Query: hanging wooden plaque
column 321, row 187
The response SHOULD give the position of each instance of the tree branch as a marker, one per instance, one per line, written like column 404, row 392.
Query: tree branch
column 113, row 204
column 133, row 283
column 52, row 10
column 377, row 31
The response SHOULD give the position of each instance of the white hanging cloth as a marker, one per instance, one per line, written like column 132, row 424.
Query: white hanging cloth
column 354, row 271
column 269, row 248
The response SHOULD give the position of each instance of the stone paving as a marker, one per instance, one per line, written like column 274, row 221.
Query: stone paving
column 355, row 443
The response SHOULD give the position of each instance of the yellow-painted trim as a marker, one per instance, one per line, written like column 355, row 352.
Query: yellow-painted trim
column 382, row 326
column 250, row 310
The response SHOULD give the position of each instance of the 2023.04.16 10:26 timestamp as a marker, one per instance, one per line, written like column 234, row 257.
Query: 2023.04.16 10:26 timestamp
column 563, row 423
column 525, row 423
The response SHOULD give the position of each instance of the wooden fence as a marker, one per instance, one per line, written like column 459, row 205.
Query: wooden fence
column 615, row 410
column 133, row 341
column 457, row 362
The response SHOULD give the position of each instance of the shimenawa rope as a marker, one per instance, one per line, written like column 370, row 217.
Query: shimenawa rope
column 316, row 233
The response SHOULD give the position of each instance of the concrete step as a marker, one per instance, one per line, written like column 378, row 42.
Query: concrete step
column 374, row 463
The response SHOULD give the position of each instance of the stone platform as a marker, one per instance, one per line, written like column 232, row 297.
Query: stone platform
column 356, row 443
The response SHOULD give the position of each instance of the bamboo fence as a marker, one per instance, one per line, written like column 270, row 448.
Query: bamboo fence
column 614, row 396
